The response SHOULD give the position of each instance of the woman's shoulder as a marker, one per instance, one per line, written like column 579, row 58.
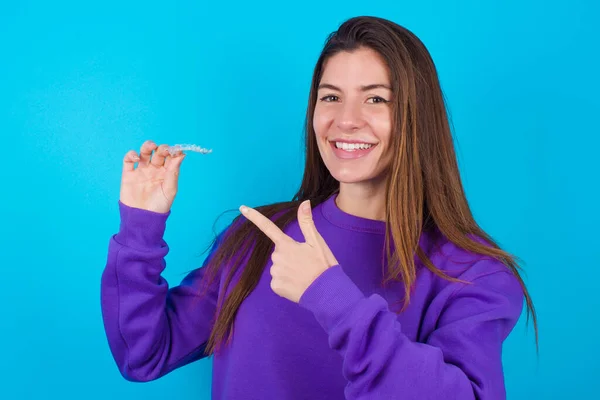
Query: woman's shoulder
column 458, row 262
column 474, row 274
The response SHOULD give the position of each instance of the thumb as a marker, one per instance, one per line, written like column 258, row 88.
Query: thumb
column 173, row 167
column 173, row 162
column 307, row 225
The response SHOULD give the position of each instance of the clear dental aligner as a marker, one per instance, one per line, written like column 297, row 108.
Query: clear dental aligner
column 188, row 147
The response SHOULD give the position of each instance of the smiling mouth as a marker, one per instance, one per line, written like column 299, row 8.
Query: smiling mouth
column 353, row 146
column 355, row 150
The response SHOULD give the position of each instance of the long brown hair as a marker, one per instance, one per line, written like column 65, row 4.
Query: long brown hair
column 424, row 188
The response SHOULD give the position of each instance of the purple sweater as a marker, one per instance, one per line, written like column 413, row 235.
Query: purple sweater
column 344, row 339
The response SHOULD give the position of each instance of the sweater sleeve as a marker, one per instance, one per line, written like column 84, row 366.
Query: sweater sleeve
column 460, row 359
column 152, row 329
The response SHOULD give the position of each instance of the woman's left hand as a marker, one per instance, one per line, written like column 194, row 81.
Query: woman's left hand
column 295, row 265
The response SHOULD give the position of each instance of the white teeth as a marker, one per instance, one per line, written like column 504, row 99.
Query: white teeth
column 352, row 146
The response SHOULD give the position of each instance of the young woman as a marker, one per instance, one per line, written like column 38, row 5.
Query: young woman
column 375, row 282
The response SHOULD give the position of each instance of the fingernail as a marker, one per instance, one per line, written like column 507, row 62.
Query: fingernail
column 244, row 209
column 306, row 207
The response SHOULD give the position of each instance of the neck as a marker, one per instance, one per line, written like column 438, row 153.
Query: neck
column 365, row 200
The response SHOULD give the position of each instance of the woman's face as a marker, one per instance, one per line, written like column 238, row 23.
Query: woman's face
column 352, row 118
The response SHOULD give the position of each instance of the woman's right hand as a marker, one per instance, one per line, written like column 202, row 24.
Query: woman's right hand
column 152, row 185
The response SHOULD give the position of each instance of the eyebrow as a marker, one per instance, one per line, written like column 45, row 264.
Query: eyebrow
column 362, row 88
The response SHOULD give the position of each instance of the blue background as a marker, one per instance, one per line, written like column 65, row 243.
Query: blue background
column 83, row 83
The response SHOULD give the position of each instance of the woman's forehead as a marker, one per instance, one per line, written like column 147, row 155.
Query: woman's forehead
column 360, row 68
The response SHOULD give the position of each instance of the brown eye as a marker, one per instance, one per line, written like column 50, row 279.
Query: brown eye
column 377, row 99
column 329, row 98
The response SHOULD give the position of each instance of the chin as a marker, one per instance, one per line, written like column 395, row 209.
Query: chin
column 346, row 176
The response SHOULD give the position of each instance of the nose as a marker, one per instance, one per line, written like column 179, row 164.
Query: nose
column 350, row 118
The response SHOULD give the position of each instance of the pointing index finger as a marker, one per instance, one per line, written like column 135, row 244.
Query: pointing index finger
column 266, row 226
